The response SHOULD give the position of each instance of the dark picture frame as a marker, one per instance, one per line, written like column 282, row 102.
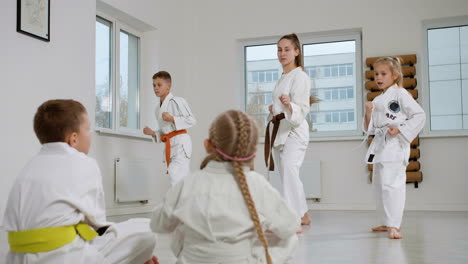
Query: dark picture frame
column 33, row 18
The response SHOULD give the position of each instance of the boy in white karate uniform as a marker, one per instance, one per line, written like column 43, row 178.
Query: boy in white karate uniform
column 223, row 208
column 395, row 119
column 174, row 117
column 56, row 207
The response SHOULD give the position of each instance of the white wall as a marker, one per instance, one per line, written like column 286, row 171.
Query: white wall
column 211, row 69
column 33, row 71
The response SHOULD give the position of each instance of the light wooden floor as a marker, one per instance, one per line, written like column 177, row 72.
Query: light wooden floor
column 344, row 237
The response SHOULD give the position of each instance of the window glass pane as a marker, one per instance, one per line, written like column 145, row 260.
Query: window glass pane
column 349, row 70
column 327, row 95
column 343, row 116
column 129, row 83
column 444, row 46
column 275, row 75
column 269, row 76
column 343, row 94
column 444, row 72
column 464, row 71
column 445, row 100
column 342, row 70
column 333, row 60
column 327, row 72
column 335, row 94
column 261, row 59
column 254, row 76
column 334, row 71
column 336, row 117
column 464, row 44
column 103, row 111
column 269, row 99
column 261, row 76
column 350, row 116
column 350, row 92
column 465, row 100
column 447, row 76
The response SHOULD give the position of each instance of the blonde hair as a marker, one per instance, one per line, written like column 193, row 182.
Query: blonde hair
column 394, row 63
column 235, row 135
column 297, row 45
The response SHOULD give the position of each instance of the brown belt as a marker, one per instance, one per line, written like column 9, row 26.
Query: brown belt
column 167, row 138
column 269, row 144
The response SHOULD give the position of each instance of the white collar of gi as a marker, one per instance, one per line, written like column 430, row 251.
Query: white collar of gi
column 394, row 86
column 167, row 99
column 57, row 147
column 293, row 70
column 222, row 167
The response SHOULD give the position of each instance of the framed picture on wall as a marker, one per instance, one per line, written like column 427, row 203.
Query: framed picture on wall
column 33, row 18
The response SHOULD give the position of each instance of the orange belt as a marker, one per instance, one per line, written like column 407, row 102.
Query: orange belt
column 269, row 144
column 166, row 138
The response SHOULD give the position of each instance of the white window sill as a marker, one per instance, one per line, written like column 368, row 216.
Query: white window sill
column 326, row 139
column 106, row 131
column 445, row 134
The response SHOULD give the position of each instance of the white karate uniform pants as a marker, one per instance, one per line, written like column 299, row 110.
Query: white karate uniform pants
column 288, row 161
column 389, row 184
column 179, row 167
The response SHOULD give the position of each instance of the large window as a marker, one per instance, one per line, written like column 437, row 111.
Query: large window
column 117, row 76
column 331, row 63
column 447, row 57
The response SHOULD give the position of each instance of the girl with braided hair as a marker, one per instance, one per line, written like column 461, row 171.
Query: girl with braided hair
column 223, row 208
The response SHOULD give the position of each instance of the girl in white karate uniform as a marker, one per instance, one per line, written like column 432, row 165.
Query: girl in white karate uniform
column 223, row 208
column 290, row 135
column 395, row 119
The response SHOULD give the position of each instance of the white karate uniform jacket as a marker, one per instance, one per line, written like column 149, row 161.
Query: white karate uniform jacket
column 292, row 138
column 183, row 119
column 209, row 208
column 296, row 84
column 395, row 107
column 60, row 187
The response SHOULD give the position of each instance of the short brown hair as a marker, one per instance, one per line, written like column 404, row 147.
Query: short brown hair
column 55, row 119
column 163, row 75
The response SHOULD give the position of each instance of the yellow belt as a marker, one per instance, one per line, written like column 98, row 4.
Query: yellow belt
column 50, row 238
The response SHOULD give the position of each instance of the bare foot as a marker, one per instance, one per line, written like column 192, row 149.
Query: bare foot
column 305, row 220
column 379, row 228
column 153, row 260
column 394, row 233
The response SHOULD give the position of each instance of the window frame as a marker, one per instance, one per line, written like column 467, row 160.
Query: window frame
column 425, row 93
column 117, row 26
column 316, row 38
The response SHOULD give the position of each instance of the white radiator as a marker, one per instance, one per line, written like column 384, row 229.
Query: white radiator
column 135, row 179
column 311, row 178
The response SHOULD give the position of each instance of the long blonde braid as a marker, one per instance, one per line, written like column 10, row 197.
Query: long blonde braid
column 242, row 181
column 237, row 136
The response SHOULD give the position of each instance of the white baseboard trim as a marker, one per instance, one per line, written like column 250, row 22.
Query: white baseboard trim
column 130, row 210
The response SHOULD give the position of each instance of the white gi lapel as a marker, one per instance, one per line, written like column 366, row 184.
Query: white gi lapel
column 165, row 105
